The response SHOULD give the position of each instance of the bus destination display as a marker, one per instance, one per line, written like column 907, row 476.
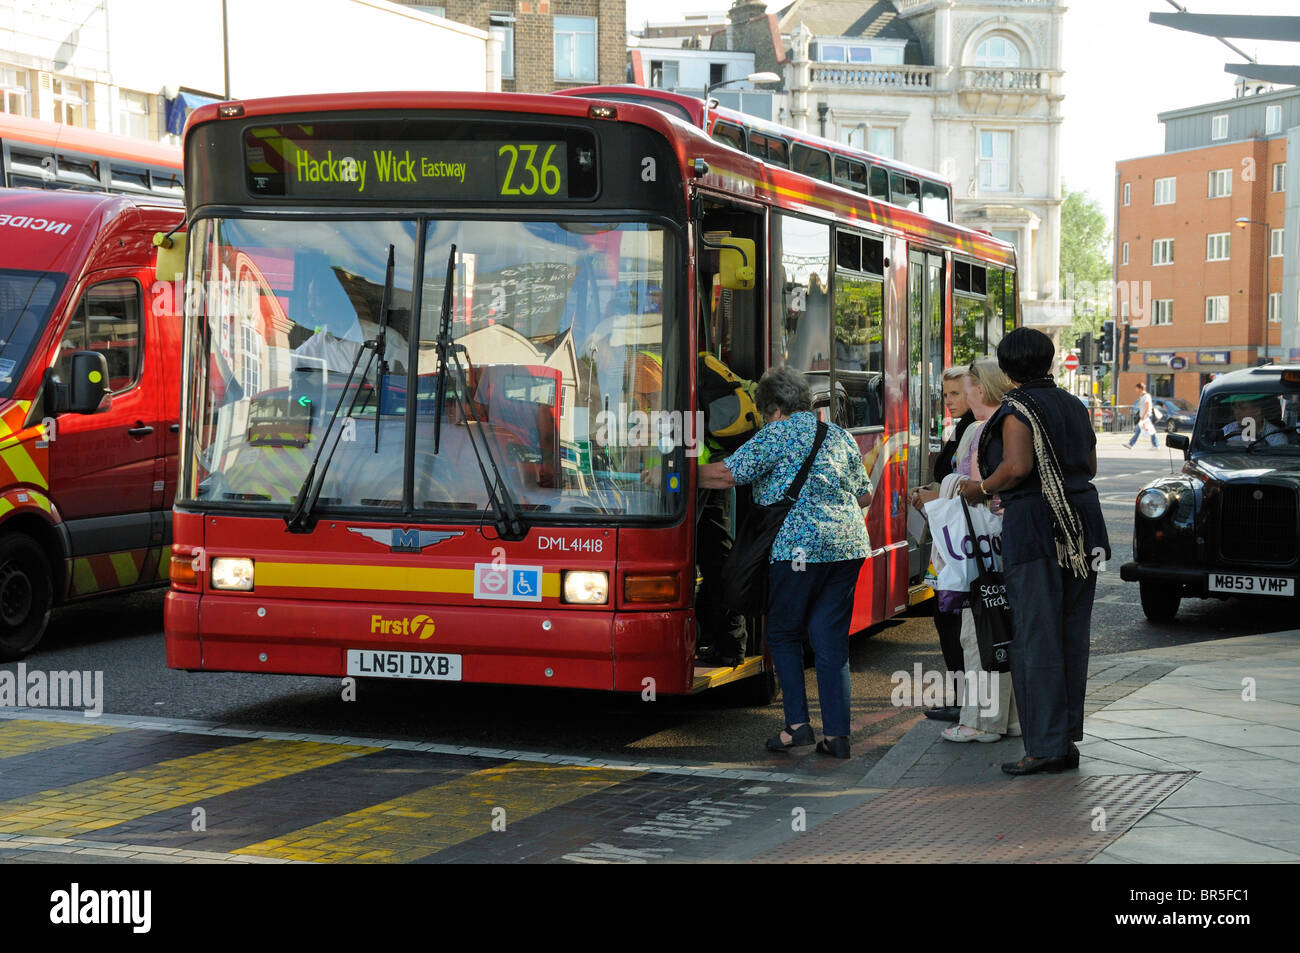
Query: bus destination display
column 517, row 168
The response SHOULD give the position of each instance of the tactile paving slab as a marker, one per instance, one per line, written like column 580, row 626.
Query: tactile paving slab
column 1048, row 819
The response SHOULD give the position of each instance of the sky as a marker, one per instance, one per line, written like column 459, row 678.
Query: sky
column 1120, row 71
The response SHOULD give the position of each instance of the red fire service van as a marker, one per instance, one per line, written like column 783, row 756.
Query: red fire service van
column 89, row 394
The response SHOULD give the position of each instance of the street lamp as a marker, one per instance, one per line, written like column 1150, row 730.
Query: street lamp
column 1268, row 251
column 756, row 78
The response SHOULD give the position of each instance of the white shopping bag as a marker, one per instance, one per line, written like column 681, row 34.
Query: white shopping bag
column 954, row 549
column 1147, row 426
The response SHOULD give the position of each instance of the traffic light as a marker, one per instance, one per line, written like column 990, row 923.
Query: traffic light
column 1087, row 351
column 1106, row 343
column 1130, row 344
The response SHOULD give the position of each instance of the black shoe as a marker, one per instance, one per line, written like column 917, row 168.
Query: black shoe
column 943, row 713
column 803, row 735
column 1028, row 765
column 727, row 656
column 836, row 747
column 1071, row 758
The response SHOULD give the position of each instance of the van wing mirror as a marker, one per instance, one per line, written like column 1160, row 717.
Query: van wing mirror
column 170, row 265
column 89, row 382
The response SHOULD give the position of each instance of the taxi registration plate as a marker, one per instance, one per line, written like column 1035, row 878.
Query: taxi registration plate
column 383, row 664
column 1251, row 585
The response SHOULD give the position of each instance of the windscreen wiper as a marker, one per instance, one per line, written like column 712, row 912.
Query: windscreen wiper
column 381, row 341
column 510, row 526
column 299, row 518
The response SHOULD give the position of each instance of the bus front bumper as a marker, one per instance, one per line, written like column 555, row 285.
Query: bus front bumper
column 603, row 650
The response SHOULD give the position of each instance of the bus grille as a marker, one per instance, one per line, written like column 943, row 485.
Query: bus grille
column 1258, row 530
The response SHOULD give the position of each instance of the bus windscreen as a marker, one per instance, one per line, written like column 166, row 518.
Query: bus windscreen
column 445, row 161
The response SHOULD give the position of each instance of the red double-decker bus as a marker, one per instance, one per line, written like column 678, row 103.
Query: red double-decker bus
column 49, row 155
column 440, row 415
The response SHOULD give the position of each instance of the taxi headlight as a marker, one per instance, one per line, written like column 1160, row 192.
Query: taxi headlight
column 586, row 588
column 231, row 573
column 1153, row 503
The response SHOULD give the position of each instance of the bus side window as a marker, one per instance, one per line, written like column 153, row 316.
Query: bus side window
column 906, row 192
column 857, row 381
column 733, row 136
column 778, row 151
column 879, row 183
column 850, row 174
column 934, row 200
column 813, row 163
column 757, row 144
column 800, row 300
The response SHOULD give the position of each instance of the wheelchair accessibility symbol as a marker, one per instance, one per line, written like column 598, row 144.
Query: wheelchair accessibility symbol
column 515, row 583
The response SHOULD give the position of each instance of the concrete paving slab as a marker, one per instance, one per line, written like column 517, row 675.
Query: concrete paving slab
column 1201, row 792
column 1265, row 823
column 1191, row 845
column 1117, row 731
column 1183, row 750
column 1250, row 776
column 1243, row 734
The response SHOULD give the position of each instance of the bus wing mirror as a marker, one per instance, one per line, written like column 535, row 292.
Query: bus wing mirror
column 170, row 265
column 89, row 382
column 736, row 264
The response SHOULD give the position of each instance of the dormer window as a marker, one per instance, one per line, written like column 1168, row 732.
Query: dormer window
column 841, row 50
column 997, row 52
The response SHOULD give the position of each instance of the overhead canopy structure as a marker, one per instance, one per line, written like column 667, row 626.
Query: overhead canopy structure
column 1273, row 28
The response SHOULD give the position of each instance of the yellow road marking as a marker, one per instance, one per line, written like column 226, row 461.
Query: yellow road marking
column 384, row 578
column 127, row 795
column 435, row 818
column 20, row 736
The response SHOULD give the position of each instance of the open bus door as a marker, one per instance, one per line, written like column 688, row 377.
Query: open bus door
column 925, row 348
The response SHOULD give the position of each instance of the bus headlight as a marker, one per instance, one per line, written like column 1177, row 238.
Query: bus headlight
column 1153, row 503
column 586, row 588
column 230, row 573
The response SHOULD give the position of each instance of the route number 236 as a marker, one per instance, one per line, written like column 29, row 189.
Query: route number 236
column 547, row 178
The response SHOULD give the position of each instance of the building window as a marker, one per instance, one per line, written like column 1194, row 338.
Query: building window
column 1123, row 254
column 575, row 48
column 1123, row 312
column 1128, row 193
column 503, row 25
column 882, row 142
column 1162, row 251
column 1276, row 238
column 717, row 73
column 1275, row 307
column 250, row 360
column 839, row 51
column 1162, row 311
column 69, row 102
column 1220, row 183
column 1273, row 120
column 1166, row 191
column 1219, row 127
column 1218, row 247
column 133, row 114
column 663, row 74
column 997, row 52
column 437, row 11
column 995, row 161
column 14, row 91
column 1279, row 177
column 1216, row 309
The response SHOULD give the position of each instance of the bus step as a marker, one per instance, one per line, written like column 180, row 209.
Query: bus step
column 708, row 676
column 918, row 594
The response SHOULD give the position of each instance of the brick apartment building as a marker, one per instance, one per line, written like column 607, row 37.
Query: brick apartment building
column 1189, row 278
column 548, row 44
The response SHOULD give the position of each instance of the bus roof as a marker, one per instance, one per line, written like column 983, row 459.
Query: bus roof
column 73, row 139
column 730, row 169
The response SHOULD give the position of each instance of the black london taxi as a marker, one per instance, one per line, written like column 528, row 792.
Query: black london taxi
column 1226, row 525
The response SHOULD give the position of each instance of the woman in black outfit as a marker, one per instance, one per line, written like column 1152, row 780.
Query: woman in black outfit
column 948, row 624
column 1040, row 452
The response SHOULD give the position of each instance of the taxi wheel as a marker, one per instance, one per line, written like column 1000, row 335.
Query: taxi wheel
column 1159, row 600
column 26, row 593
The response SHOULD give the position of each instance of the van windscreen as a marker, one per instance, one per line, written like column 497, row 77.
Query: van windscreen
column 26, row 300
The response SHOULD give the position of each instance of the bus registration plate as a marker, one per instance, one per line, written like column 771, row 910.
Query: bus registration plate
column 1258, row 585
column 426, row 665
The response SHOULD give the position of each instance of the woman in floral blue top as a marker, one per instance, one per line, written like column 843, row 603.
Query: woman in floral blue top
column 816, row 556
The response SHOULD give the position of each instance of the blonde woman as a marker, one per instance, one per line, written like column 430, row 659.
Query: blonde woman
column 986, row 385
column 948, row 624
